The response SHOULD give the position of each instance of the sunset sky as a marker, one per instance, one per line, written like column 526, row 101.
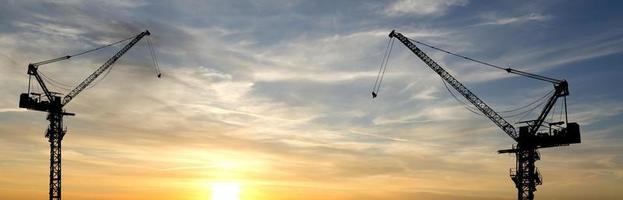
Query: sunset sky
column 270, row 100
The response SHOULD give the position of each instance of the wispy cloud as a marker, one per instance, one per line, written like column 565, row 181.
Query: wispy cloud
column 421, row 7
column 532, row 17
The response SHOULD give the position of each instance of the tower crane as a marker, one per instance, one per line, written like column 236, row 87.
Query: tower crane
column 529, row 137
column 53, row 104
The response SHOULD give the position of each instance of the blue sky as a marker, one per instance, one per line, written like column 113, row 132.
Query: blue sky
column 278, row 93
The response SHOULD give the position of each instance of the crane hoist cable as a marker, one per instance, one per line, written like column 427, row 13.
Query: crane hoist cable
column 529, row 104
column 529, row 108
column 542, row 101
column 554, row 112
column 561, row 115
column 99, row 79
column 382, row 65
column 153, row 58
column 381, row 74
column 67, row 87
column 56, row 83
column 528, row 112
column 469, row 108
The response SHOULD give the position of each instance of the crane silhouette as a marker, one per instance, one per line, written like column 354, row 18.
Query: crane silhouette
column 529, row 137
column 53, row 104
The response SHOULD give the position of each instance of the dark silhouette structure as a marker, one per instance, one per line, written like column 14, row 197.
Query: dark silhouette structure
column 529, row 137
column 52, row 103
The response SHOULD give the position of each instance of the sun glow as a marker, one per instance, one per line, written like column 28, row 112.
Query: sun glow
column 225, row 191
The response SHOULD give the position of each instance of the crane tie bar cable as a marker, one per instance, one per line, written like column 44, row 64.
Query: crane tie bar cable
column 101, row 47
column 77, row 54
column 461, row 56
column 507, row 69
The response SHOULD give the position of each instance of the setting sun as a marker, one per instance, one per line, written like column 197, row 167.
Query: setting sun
column 225, row 191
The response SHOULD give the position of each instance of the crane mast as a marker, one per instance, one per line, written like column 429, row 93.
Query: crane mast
column 53, row 105
column 525, row 176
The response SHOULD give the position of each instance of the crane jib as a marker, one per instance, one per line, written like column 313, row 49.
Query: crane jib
column 458, row 86
column 102, row 68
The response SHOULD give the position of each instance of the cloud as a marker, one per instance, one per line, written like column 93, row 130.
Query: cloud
column 112, row 3
column 532, row 17
column 592, row 113
column 11, row 110
column 421, row 7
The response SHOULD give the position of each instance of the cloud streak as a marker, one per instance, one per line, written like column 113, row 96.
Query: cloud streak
column 532, row 17
column 421, row 7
